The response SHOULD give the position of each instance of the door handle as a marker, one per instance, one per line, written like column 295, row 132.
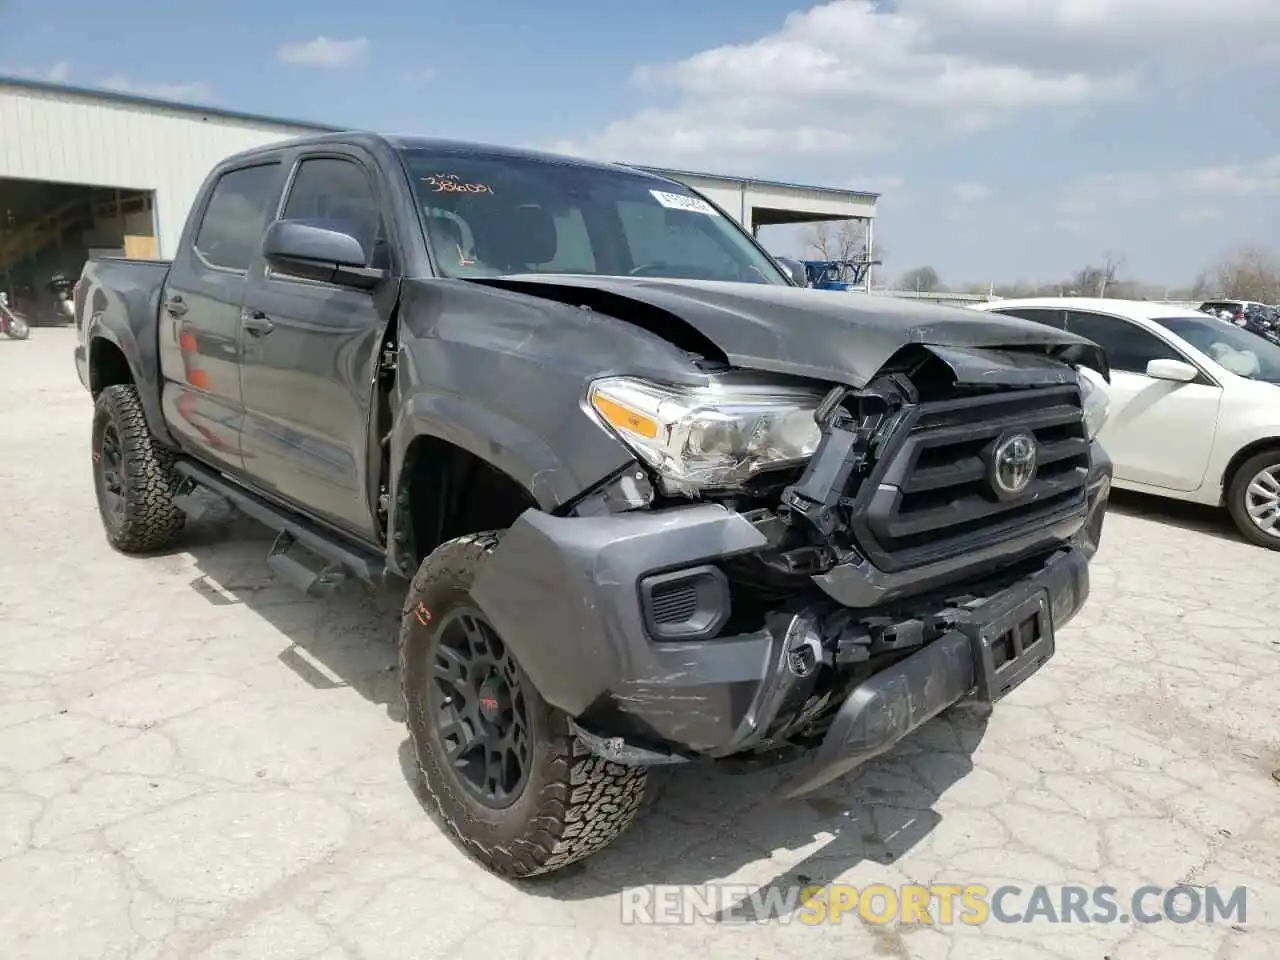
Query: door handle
column 256, row 323
column 175, row 306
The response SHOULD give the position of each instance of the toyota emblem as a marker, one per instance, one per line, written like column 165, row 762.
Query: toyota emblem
column 1013, row 464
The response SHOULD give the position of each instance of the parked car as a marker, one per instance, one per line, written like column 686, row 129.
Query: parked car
column 1259, row 318
column 653, row 502
column 1195, row 403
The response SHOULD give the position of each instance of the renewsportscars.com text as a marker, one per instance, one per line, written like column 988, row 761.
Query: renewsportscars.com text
column 943, row 904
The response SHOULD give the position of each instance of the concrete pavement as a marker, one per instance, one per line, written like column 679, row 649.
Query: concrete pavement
column 198, row 762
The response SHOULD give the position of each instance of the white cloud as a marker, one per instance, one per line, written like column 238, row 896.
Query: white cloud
column 963, row 199
column 854, row 76
column 416, row 79
column 59, row 72
column 891, row 188
column 1095, row 33
column 1199, row 193
column 1215, row 183
column 185, row 92
column 324, row 52
column 968, row 193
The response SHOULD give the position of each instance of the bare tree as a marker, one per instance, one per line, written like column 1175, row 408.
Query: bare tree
column 922, row 280
column 842, row 240
column 1111, row 264
column 1245, row 273
column 1249, row 272
column 1093, row 281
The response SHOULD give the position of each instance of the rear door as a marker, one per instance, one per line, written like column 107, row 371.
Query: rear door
column 199, row 313
column 310, row 351
column 1159, row 432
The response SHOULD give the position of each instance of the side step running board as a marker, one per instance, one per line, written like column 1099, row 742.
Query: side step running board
column 288, row 565
column 296, row 537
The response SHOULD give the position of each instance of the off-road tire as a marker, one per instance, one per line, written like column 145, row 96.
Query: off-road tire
column 573, row 803
column 150, row 520
column 1238, row 505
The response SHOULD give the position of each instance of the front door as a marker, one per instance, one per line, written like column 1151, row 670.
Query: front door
column 1159, row 432
column 310, row 353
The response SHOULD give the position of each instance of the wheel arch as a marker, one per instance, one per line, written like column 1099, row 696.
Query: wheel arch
column 1243, row 456
column 445, row 490
column 114, row 360
column 108, row 366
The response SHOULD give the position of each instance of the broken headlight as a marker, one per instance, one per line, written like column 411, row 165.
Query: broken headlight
column 1095, row 398
column 717, row 436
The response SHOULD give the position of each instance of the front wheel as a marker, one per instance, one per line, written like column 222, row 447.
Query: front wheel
column 502, row 769
column 17, row 329
column 1254, row 499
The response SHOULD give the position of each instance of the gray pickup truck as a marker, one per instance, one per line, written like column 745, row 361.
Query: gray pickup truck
column 654, row 503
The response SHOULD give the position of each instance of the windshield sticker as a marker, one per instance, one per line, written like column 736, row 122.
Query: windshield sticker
column 679, row 201
column 452, row 183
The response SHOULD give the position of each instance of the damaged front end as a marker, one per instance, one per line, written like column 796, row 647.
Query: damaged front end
column 837, row 602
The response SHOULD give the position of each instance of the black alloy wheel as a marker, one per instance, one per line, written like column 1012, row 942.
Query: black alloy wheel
column 482, row 718
column 503, row 771
column 109, row 460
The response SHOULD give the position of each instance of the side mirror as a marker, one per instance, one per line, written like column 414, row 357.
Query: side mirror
column 795, row 270
column 316, row 253
column 1174, row 370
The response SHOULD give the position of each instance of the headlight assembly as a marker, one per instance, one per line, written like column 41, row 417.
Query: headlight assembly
column 708, row 437
column 1096, row 400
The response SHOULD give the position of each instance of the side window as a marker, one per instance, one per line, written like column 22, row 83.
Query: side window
column 1128, row 347
column 336, row 194
column 1046, row 315
column 236, row 216
column 652, row 238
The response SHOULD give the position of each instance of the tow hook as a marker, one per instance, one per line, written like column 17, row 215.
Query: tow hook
column 804, row 646
column 618, row 750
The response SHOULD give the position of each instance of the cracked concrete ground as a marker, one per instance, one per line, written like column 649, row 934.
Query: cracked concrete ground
column 197, row 762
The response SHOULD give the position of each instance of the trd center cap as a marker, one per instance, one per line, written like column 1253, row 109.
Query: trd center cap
column 493, row 700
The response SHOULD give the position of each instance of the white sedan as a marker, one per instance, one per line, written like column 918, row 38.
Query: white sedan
column 1195, row 403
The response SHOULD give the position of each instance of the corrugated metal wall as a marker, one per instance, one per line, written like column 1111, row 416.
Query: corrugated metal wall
column 74, row 138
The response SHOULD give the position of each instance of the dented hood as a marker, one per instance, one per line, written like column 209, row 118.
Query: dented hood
column 829, row 335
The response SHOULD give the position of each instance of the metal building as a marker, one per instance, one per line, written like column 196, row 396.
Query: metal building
column 85, row 172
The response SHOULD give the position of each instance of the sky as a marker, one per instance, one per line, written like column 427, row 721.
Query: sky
column 1009, row 139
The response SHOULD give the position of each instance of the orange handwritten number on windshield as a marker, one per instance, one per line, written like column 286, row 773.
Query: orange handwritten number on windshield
column 451, row 183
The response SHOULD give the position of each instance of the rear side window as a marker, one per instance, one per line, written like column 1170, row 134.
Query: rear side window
column 231, row 231
column 1128, row 347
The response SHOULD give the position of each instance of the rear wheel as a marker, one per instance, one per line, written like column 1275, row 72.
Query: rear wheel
column 1254, row 499
column 133, row 476
column 502, row 769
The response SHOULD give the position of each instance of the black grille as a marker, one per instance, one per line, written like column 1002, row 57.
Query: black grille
column 930, row 496
column 675, row 603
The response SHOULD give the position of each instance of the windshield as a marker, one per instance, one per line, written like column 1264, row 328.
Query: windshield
column 489, row 216
column 1235, row 348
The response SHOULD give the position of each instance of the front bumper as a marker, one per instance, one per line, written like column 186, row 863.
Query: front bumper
column 564, row 593
column 987, row 652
